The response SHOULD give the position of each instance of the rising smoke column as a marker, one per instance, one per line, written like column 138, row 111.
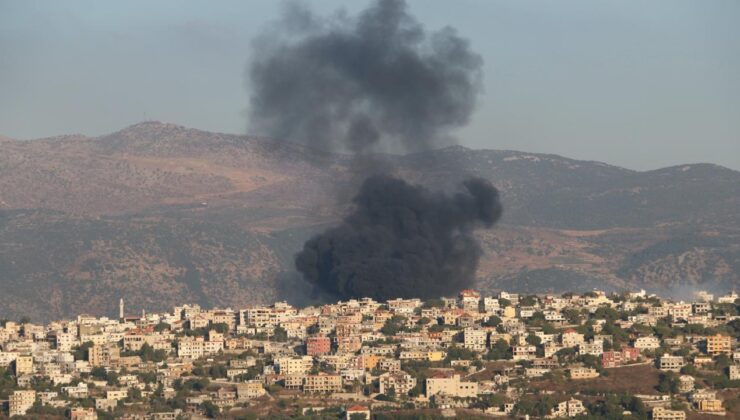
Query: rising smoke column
column 364, row 84
column 402, row 241
column 373, row 82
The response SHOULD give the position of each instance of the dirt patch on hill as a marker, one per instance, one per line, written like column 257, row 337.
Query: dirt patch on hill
column 633, row 380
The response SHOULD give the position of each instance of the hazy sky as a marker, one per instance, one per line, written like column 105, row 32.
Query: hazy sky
column 641, row 84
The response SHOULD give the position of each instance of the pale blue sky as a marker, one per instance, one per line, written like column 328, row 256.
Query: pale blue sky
column 641, row 84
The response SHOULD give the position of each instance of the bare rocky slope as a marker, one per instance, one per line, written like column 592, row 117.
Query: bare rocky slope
column 161, row 214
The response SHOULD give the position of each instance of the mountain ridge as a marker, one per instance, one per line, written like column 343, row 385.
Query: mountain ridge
column 158, row 213
column 455, row 147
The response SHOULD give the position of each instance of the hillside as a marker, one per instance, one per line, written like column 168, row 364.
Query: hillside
column 157, row 213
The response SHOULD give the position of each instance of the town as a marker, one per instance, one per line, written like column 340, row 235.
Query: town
column 592, row 355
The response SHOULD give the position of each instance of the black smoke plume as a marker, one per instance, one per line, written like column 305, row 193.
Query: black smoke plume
column 375, row 82
column 402, row 241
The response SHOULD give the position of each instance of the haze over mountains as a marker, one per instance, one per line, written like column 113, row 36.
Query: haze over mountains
column 160, row 214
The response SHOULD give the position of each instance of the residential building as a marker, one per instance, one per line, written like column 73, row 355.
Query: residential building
column 583, row 373
column 671, row 363
column 23, row 365
column 570, row 408
column 249, row 390
column 103, row 355
column 322, row 383
column 450, row 385
column 719, row 344
column 20, row 402
column 400, row 382
column 711, row 406
column 662, row 413
column 647, row 343
column 317, row 346
column 475, row 339
column 571, row 338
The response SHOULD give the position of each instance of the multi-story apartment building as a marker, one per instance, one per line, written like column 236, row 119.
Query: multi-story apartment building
column 475, row 339
column 193, row 348
column 524, row 352
column 23, row 365
column 671, row 363
column 571, row 338
column 103, row 355
column 680, row 311
column 76, row 391
column 647, row 343
column 81, row 413
column 20, row 402
column 249, row 390
column 662, row 413
column 403, row 306
column 316, row 346
column 469, row 300
column 719, row 344
column 322, row 383
column 450, row 385
column 570, row 408
column 711, row 406
column 616, row 358
column 734, row 372
column 294, row 365
column 64, row 341
column 401, row 383
column 594, row 348
column 349, row 344
column 685, row 384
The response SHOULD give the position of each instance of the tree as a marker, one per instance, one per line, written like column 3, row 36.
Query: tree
column 148, row 354
column 608, row 314
column 492, row 321
column 668, row 383
column 459, row 353
column 534, row 340
column 81, row 352
column 220, row 327
column 500, row 351
column 488, row 400
column 210, row 409
column 394, row 325
column 280, row 334
column 99, row 373
column 433, row 303
column 573, row 316
column 197, row 384
column 162, row 327
column 530, row 300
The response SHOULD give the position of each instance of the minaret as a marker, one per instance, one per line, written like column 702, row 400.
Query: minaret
column 120, row 309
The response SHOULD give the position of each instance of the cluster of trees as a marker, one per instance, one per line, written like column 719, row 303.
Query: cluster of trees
column 101, row 374
column 612, row 407
column 395, row 325
column 148, row 354
column 500, row 350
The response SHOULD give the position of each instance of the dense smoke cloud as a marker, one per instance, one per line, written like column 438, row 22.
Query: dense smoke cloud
column 402, row 241
column 373, row 82
column 365, row 84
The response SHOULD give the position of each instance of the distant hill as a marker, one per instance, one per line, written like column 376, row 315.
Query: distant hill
column 157, row 213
